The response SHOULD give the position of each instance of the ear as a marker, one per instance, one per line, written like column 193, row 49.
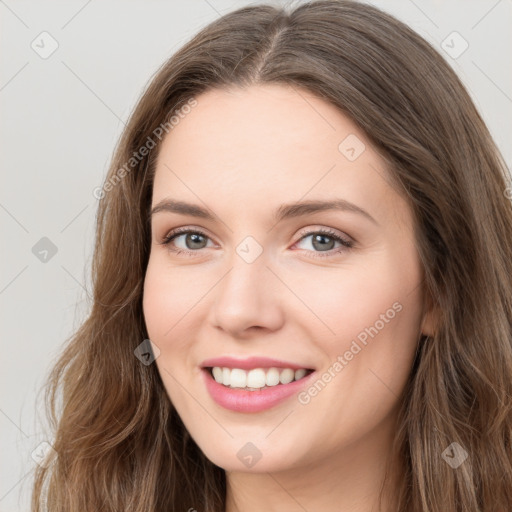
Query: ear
column 430, row 317
column 428, row 324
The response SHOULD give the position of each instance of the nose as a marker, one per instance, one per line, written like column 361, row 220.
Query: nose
column 248, row 299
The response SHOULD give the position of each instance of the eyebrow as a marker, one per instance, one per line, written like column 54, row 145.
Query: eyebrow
column 285, row 211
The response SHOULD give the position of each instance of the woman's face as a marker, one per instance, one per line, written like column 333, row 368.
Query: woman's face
column 266, row 279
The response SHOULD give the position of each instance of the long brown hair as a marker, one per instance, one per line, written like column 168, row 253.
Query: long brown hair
column 121, row 445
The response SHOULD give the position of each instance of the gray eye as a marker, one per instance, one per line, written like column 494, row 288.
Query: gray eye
column 319, row 242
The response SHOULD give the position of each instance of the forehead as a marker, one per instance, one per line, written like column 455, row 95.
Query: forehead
column 262, row 144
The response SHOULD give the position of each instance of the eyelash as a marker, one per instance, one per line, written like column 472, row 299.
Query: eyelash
column 346, row 244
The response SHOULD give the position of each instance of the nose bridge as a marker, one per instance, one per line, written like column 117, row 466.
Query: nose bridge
column 245, row 283
column 246, row 296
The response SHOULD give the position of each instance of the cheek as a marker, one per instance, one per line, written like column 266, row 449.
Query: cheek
column 344, row 301
column 169, row 298
column 165, row 306
column 368, row 359
column 391, row 339
column 368, row 310
column 157, row 305
column 375, row 313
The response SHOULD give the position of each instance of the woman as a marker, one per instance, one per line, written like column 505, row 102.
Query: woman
column 302, row 295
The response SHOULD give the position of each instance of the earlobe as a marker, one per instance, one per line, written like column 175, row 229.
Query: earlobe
column 430, row 320
column 427, row 327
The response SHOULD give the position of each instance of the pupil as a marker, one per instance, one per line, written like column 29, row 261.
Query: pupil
column 194, row 237
column 321, row 238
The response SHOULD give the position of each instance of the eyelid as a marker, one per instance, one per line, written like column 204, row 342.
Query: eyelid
column 184, row 230
column 302, row 232
column 325, row 229
column 347, row 241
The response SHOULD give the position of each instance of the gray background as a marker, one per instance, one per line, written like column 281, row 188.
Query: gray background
column 61, row 117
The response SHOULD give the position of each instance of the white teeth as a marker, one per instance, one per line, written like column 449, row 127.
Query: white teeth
column 300, row 373
column 256, row 378
column 217, row 374
column 286, row 376
column 226, row 376
column 238, row 378
column 272, row 378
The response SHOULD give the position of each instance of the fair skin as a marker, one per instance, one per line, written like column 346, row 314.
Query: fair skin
column 241, row 154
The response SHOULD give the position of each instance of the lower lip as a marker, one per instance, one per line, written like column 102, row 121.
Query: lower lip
column 241, row 400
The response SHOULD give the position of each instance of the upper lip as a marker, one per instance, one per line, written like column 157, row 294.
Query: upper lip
column 250, row 363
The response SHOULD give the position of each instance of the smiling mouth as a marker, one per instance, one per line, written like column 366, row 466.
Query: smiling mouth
column 257, row 379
